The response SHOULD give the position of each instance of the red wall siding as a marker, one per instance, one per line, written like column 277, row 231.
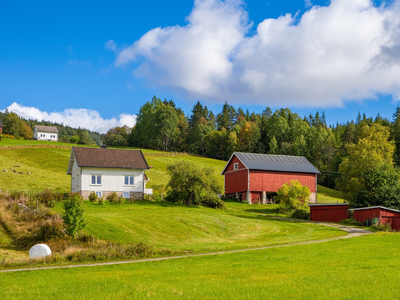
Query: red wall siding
column 272, row 181
column 236, row 181
column 232, row 162
column 385, row 216
column 329, row 213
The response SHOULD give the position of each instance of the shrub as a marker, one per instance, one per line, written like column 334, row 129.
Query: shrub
column 300, row 214
column 293, row 196
column 350, row 222
column 383, row 227
column 121, row 200
column 113, row 197
column 101, row 201
column 47, row 197
column 93, row 197
column 189, row 184
column 73, row 216
column 50, row 229
column 213, row 201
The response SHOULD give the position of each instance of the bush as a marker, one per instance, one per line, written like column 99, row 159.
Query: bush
column 350, row 222
column 47, row 197
column 113, row 197
column 121, row 200
column 101, row 201
column 293, row 196
column 73, row 215
column 93, row 197
column 300, row 214
column 212, row 201
column 383, row 227
column 189, row 184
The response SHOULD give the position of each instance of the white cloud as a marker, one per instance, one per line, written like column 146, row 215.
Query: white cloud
column 307, row 3
column 84, row 118
column 349, row 50
column 110, row 45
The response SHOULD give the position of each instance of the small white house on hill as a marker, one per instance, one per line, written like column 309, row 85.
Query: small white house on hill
column 104, row 171
column 45, row 133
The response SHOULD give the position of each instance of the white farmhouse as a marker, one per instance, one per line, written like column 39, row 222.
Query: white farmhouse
column 45, row 133
column 104, row 171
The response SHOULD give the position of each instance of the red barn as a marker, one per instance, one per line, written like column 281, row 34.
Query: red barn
column 332, row 212
column 257, row 177
column 383, row 214
column 1, row 127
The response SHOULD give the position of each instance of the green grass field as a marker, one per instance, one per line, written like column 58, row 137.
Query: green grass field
column 197, row 229
column 358, row 268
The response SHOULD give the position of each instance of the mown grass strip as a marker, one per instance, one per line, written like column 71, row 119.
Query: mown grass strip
column 358, row 268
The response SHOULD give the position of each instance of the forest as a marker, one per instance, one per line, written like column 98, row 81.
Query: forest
column 359, row 157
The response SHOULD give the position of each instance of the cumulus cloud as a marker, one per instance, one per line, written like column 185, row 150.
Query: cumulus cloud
column 349, row 50
column 84, row 118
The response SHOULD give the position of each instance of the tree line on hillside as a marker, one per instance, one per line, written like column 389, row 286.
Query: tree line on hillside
column 162, row 125
column 22, row 128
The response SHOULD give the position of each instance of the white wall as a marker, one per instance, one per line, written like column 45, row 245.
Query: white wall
column 111, row 179
column 47, row 136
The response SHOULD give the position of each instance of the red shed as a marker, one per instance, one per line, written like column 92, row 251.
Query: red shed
column 256, row 177
column 384, row 214
column 332, row 212
column 1, row 127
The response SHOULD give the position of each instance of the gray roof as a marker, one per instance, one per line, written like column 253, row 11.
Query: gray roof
column 279, row 163
column 43, row 128
column 373, row 207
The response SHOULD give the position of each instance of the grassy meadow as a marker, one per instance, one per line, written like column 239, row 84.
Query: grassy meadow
column 359, row 268
column 197, row 229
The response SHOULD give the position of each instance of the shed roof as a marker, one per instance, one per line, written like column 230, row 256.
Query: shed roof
column 374, row 207
column 328, row 204
column 271, row 162
column 42, row 128
column 109, row 158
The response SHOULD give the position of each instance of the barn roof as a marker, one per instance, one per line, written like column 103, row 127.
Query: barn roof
column 373, row 207
column 109, row 158
column 42, row 128
column 271, row 162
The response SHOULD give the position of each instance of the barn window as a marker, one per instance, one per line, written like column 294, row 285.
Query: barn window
column 129, row 180
column 236, row 166
column 96, row 179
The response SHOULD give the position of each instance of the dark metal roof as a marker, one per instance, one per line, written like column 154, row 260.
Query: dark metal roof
column 109, row 158
column 328, row 204
column 373, row 207
column 279, row 163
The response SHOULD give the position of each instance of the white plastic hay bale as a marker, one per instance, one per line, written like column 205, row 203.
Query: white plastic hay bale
column 39, row 251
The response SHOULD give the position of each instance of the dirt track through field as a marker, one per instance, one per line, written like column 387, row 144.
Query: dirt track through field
column 352, row 232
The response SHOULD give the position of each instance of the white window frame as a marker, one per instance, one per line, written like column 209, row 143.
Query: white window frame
column 126, row 195
column 236, row 166
column 96, row 179
column 98, row 193
column 130, row 179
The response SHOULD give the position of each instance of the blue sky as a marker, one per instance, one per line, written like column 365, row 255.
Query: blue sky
column 94, row 64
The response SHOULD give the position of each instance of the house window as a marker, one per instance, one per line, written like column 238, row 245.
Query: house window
column 129, row 180
column 96, row 179
column 126, row 195
column 98, row 194
column 236, row 166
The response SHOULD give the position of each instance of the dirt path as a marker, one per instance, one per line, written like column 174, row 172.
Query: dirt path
column 353, row 232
